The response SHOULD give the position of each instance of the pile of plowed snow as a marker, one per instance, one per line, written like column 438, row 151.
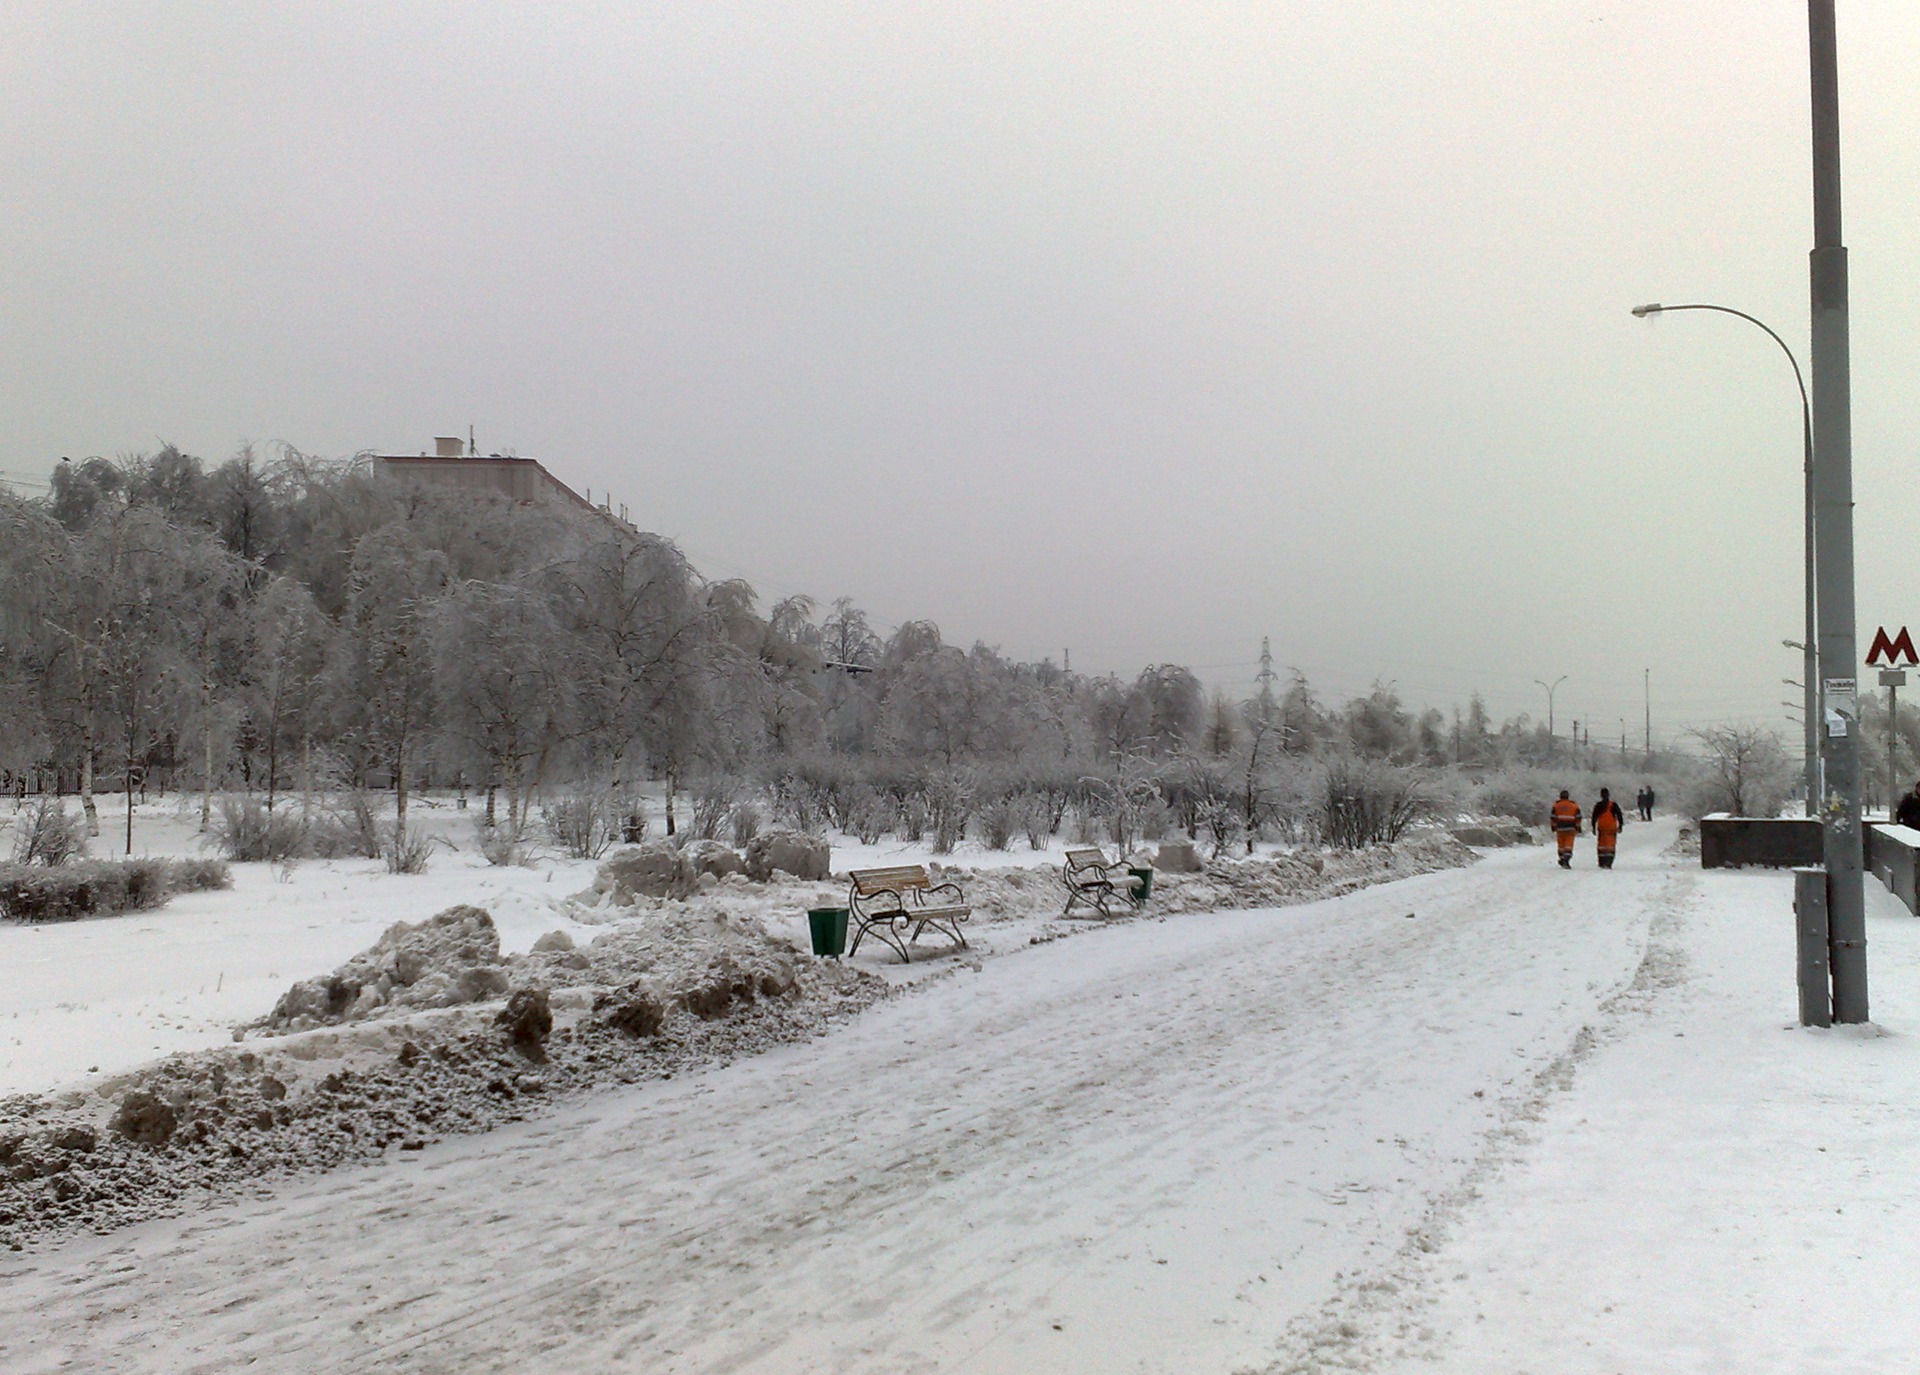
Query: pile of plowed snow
column 407, row 1042
column 1280, row 880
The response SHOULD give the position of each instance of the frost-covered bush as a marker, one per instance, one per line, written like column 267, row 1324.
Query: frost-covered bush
column 1745, row 771
column 873, row 816
column 1367, row 802
column 38, row 892
column 1525, row 794
column 200, row 875
column 998, row 822
column 744, row 822
column 949, row 800
column 49, row 834
column 1518, row 793
column 347, row 831
column 583, row 825
column 1220, row 821
column 405, row 848
column 246, row 832
column 713, row 799
column 913, row 818
column 498, row 844
column 1156, row 819
column 1034, row 818
column 797, row 802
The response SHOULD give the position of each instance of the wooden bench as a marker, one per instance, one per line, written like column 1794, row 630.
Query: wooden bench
column 897, row 904
column 1091, row 878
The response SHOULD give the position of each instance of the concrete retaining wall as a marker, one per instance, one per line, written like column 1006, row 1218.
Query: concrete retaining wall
column 1733, row 842
column 1893, row 854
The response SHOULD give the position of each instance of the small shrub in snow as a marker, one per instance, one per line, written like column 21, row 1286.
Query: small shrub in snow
column 949, row 798
column 913, row 818
column 998, row 821
column 349, row 831
column 872, row 817
column 1365, row 802
column 713, row 800
column 581, row 824
column 246, row 832
column 498, row 844
column 1222, row 824
column 49, row 834
column 201, row 875
column 405, row 849
column 745, row 823
column 1036, row 819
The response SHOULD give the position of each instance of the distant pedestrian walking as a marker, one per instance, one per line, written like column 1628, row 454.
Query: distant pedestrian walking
column 1607, row 821
column 1566, row 825
column 1645, row 799
column 1908, row 813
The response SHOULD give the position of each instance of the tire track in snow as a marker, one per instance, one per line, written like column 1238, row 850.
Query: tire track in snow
column 1375, row 1318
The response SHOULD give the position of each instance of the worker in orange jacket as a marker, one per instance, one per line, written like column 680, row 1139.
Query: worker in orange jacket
column 1607, row 821
column 1566, row 825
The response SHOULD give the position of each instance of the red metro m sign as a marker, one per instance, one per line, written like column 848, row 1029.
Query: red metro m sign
column 1897, row 650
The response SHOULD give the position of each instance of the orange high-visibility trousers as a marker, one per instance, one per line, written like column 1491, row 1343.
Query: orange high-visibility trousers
column 1566, row 825
column 1606, row 833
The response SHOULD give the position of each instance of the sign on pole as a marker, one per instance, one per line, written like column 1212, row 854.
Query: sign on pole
column 1894, row 650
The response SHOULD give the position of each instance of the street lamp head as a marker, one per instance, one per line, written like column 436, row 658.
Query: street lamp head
column 1653, row 308
column 1793, row 644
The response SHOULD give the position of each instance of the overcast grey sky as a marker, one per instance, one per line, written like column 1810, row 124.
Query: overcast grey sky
column 1144, row 329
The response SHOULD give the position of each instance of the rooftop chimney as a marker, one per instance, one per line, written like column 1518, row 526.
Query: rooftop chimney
column 444, row 447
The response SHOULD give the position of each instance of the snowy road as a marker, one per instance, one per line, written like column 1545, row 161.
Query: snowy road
column 1155, row 1148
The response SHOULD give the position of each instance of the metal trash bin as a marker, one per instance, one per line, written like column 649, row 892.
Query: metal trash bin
column 1142, row 886
column 828, row 927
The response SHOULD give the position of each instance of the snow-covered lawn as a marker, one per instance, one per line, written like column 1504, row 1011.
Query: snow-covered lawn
column 87, row 998
column 1496, row 1119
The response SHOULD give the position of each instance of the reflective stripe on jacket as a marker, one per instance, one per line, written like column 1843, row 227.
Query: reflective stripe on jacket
column 1566, row 815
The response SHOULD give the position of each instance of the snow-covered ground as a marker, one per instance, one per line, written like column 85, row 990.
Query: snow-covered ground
column 82, row 1001
column 1499, row 1119
column 87, row 998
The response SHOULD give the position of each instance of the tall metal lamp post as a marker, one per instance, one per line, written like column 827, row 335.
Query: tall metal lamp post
column 1833, row 494
column 1550, row 687
column 1811, row 709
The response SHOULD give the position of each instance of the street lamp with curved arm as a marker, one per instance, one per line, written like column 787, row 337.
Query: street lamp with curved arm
column 1550, row 687
column 1810, row 710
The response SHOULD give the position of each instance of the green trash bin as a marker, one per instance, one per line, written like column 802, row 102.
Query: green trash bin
column 1142, row 887
column 828, row 926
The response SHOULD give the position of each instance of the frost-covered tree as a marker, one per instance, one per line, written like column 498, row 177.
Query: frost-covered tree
column 504, row 689
column 643, row 649
column 292, row 643
column 383, row 677
column 1745, row 771
column 1175, row 706
column 131, row 567
column 212, row 627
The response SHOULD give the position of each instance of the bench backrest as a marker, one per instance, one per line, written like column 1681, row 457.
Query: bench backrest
column 867, row 882
column 1085, row 859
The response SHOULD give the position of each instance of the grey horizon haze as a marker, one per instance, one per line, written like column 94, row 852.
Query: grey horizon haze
column 1143, row 330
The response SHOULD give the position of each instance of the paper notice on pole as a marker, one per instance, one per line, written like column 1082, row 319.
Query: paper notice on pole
column 1836, row 724
column 1840, row 687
